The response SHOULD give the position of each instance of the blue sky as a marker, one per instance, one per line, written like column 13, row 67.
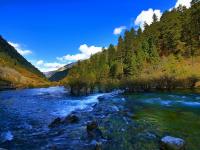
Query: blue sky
column 51, row 33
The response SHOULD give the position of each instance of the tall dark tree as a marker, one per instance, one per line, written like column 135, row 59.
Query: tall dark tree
column 145, row 25
column 111, row 54
column 194, row 2
column 155, row 18
column 120, row 50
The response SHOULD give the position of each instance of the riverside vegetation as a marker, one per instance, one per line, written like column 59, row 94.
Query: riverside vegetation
column 165, row 56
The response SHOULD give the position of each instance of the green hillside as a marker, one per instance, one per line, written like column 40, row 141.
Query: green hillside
column 60, row 73
column 16, row 71
column 165, row 55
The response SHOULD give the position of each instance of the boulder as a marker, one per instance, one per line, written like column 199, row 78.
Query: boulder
column 92, row 125
column 97, row 145
column 55, row 123
column 172, row 143
column 71, row 119
column 67, row 120
column 93, row 131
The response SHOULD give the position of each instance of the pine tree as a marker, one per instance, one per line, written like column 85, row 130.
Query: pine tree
column 120, row 50
column 155, row 18
column 145, row 25
column 129, row 51
column 111, row 54
column 195, row 2
column 116, row 70
column 139, row 32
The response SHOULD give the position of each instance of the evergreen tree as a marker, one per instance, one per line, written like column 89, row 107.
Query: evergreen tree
column 155, row 18
column 194, row 2
column 120, row 50
column 111, row 54
column 145, row 25
column 129, row 51
column 116, row 70
column 139, row 32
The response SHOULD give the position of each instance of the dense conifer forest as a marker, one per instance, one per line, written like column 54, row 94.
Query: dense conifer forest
column 165, row 55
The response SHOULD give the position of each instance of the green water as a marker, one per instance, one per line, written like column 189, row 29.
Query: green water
column 174, row 114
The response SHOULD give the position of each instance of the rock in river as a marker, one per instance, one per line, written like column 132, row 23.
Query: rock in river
column 97, row 145
column 172, row 143
column 55, row 123
column 71, row 119
column 93, row 130
column 67, row 120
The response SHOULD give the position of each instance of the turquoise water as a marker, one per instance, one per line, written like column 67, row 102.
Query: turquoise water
column 175, row 114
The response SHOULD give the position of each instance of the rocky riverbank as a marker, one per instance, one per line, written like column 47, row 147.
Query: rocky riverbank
column 5, row 85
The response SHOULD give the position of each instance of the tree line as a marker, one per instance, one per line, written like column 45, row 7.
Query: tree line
column 144, row 59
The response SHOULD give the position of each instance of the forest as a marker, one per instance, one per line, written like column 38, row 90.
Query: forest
column 163, row 56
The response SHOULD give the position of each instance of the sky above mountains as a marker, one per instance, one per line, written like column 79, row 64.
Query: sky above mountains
column 53, row 33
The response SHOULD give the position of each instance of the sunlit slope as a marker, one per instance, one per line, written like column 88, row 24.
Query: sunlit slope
column 16, row 71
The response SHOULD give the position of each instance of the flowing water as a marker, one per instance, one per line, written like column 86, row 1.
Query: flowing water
column 175, row 114
column 26, row 114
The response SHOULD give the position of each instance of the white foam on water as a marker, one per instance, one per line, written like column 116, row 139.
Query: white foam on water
column 172, row 102
column 7, row 136
column 159, row 101
column 197, row 98
column 76, row 105
column 190, row 103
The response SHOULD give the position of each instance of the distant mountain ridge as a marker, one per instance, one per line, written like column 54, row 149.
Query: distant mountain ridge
column 15, row 70
column 59, row 74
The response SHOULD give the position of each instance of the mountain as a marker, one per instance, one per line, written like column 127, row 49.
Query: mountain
column 49, row 73
column 59, row 74
column 16, row 71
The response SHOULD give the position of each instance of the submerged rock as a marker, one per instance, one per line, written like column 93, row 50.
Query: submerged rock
column 93, row 130
column 67, row 120
column 55, row 123
column 97, row 145
column 92, row 125
column 129, row 114
column 172, row 143
column 71, row 119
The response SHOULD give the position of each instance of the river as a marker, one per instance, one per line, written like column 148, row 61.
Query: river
column 130, row 121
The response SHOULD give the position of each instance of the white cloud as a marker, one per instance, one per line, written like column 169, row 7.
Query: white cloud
column 40, row 62
column 53, row 65
column 19, row 49
column 47, row 66
column 183, row 3
column 147, row 16
column 119, row 30
column 85, row 52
